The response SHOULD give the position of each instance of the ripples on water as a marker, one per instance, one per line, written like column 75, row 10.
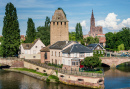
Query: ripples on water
column 114, row 79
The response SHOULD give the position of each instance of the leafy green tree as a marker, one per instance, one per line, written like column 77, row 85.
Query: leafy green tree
column 47, row 22
column 91, row 62
column 113, row 40
column 79, row 33
column 31, row 32
column 121, row 47
column 90, row 40
column 72, row 36
column 43, row 32
column 10, row 32
column 96, row 39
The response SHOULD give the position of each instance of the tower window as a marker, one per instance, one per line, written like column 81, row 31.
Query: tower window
column 61, row 23
column 53, row 23
column 65, row 23
column 57, row 23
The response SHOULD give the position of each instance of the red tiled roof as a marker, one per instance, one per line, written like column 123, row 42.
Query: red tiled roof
column 102, row 39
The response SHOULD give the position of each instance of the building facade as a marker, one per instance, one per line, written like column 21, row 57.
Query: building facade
column 74, row 54
column 93, row 29
column 56, row 51
column 45, row 54
column 59, row 27
column 31, row 50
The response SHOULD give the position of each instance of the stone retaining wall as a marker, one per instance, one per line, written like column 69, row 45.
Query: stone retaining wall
column 71, row 79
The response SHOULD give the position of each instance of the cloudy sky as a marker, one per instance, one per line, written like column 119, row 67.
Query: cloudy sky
column 111, row 14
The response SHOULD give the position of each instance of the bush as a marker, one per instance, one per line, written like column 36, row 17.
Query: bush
column 55, row 65
column 44, row 74
column 47, row 80
column 54, row 77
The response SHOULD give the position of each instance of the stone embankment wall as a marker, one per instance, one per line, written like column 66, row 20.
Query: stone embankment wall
column 12, row 61
column 92, row 80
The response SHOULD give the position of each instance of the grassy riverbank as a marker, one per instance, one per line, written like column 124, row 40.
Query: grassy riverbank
column 31, row 70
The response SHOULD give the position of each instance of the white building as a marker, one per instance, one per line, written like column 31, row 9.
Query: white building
column 73, row 55
column 31, row 50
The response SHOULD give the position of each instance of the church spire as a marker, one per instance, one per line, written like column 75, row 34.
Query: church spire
column 92, row 16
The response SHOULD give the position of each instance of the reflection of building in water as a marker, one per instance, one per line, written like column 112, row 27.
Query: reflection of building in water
column 116, row 73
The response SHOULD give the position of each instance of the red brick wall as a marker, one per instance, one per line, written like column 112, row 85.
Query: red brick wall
column 43, row 60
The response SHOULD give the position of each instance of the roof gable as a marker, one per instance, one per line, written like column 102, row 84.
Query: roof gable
column 93, row 46
column 28, row 46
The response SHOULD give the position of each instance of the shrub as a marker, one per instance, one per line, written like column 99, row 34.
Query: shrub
column 47, row 80
column 44, row 74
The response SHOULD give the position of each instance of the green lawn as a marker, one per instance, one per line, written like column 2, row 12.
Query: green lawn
column 30, row 70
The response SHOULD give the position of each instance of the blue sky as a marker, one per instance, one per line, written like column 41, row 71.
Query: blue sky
column 111, row 14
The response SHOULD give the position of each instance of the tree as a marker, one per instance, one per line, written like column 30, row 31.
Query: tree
column 79, row 33
column 43, row 32
column 90, row 40
column 96, row 39
column 113, row 40
column 72, row 36
column 31, row 32
column 10, row 32
column 47, row 22
column 91, row 62
column 121, row 47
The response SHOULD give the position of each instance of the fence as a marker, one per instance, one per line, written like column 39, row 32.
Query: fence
column 72, row 72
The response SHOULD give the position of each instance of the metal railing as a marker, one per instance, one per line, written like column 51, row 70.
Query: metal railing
column 69, row 72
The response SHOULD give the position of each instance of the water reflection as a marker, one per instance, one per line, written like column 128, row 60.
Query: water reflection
column 12, row 80
column 114, row 79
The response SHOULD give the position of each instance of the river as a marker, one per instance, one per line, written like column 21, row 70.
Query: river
column 114, row 79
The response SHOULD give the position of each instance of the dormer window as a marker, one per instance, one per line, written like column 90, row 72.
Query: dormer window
column 27, row 46
column 35, row 46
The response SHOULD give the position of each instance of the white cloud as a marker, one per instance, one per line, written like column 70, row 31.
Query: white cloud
column 83, row 24
column 111, row 22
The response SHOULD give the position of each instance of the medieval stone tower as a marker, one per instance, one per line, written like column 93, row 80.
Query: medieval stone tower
column 59, row 27
column 94, row 30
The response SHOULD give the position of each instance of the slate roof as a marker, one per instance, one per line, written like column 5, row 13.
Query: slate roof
column 28, row 46
column 60, row 44
column 77, row 48
column 45, row 49
column 92, row 46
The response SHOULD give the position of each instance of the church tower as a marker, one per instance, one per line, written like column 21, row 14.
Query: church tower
column 59, row 27
column 92, row 24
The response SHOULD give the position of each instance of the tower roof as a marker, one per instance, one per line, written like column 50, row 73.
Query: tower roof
column 59, row 16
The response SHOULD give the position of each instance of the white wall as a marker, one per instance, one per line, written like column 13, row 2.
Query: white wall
column 66, row 59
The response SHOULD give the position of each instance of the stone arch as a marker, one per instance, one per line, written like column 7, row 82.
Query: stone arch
column 105, row 65
column 121, row 63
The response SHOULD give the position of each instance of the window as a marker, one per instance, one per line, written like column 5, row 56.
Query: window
column 88, row 54
column 26, row 52
column 81, row 54
column 102, row 51
column 59, row 54
column 52, row 60
column 77, row 63
column 27, row 46
column 52, row 53
column 55, row 53
column 98, row 52
column 98, row 47
column 34, row 51
column 45, row 55
column 57, row 23
column 35, row 46
column 34, row 56
column 65, row 23
column 73, row 63
column 61, row 23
